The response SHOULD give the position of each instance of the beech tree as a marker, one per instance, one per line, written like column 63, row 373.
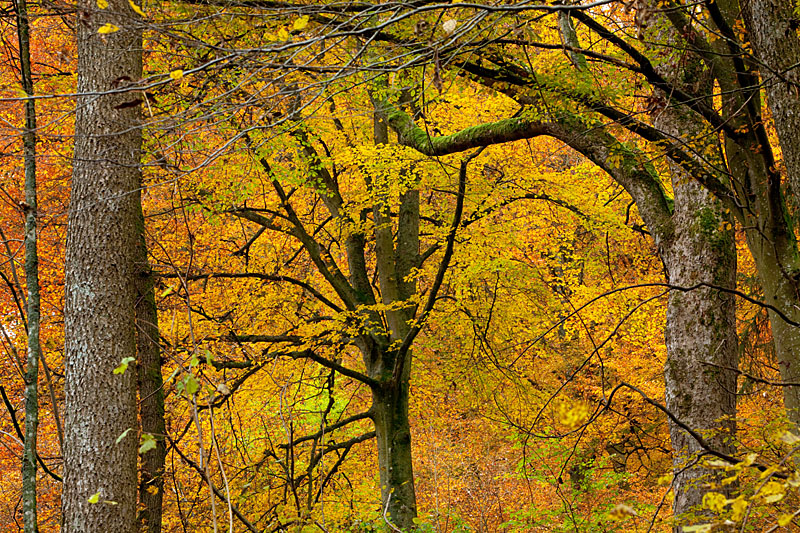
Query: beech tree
column 315, row 204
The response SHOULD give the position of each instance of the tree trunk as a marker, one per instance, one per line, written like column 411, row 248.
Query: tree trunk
column 702, row 353
column 102, row 239
column 396, row 258
column 393, row 435
column 772, row 29
column 151, row 393
column 31, row 278
column 780, row 291
column 695, row 248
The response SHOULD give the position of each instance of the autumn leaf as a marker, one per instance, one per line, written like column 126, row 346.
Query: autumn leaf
column 136, row 8
column 300, row 23
column 622, row 511
column 773, row 492
column 108, row 28
column 738, row 508
column 701, row 528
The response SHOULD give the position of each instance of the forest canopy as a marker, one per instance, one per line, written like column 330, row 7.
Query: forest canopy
column 400, row 266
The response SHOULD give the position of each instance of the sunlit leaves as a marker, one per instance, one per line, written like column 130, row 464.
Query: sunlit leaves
column 300, row 23
column 715, row 501
column 107, row 28
column 572, row 416
column 136, row 8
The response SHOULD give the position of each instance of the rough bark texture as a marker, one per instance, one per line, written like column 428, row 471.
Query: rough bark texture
column 702, row 352
column 151, row 393
column 700, row 324
column 702, row 347
column 772, row 28
column 754, row 178
column 102, row 240
column 31, row 278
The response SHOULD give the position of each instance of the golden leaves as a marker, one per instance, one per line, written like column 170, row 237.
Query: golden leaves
column 107, row 28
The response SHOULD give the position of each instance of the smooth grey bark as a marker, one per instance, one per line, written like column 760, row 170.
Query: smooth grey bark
column 31, row 277
column 102, row 240
column 151, row 391
column 395, row 262
column 772, row 28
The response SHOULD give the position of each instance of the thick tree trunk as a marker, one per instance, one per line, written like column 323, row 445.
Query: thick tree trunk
column 772, row 28
column 702, row 347
column 702, row 354
column 102, row 239
column 780, row 291
column 396, row 258
column 31, row 278
column 393, row 435
column 151, row 393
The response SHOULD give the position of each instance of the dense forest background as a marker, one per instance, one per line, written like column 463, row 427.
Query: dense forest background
column 399, row 266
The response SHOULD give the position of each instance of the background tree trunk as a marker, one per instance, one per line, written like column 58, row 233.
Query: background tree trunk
column 772, row 28
column 102, row 240
column 31, row 277
column 151, row 391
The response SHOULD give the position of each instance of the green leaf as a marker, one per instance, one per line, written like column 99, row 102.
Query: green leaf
column 703, row 528
column 123, row 365
column 148, row 443
column 94, row 498
column 192, row 386
column 124, row 434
